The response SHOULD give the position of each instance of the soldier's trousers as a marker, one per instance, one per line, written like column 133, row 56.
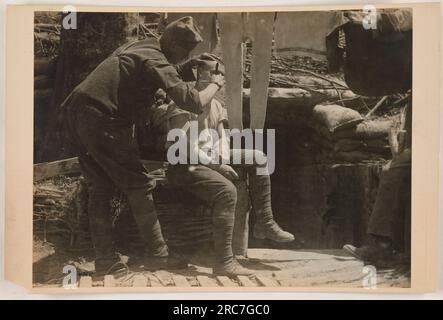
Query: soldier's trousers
column 221, row 195
column 392, row 208
column 109, row 158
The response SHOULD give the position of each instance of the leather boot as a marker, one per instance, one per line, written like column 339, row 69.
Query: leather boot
column 272, row 231
column 231, row 268
column 370, row 254
column 170, row 262
column 110, row 265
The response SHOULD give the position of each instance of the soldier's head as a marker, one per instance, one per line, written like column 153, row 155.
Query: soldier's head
column 179, row 38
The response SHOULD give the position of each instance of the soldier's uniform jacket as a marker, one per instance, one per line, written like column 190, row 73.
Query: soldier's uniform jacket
column 103, row 112
column 125, row 83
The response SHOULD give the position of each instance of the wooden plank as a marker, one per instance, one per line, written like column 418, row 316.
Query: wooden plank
column 286, row 282
column 205, row 281
column 85, row 282
column 265, row 281
column 154, row 282
column 375, row 108
column 46, row 170
column 139, row 280
column 226, row 282
column 245, row 281
column 180, row 281
column 393, row 141
column 109, row 281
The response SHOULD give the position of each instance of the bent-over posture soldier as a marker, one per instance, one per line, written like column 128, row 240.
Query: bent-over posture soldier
column 100, row 117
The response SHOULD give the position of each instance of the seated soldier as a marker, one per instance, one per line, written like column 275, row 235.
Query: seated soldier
column 389, row 223
column 212, row 182
column 390, row 214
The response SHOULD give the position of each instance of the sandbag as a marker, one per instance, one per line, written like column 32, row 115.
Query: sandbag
column 44, row 66
column 370, row 129
column 378, row 145
column 357, row 156
column 284, row 103
column 43, row 96
column 43, row 82
column 347, row 145
column 335, row 117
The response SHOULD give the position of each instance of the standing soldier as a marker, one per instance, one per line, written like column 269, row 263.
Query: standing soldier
column 100, row 117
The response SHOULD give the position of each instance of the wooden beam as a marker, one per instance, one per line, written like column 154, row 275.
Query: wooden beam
column 205, row 281
column 300, row 101
column 85, row 282
column 109, row 281
column 226, row 282
column 154, row 281
column 139, row 280
column 265, row 281
column 46, row 170
column 180, row 281
column 375, row 108
column 245, row 281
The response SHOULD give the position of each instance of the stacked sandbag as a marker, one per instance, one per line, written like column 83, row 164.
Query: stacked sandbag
column 60, row 216
column 345, row 135
column 44, row 76
column 44, row 79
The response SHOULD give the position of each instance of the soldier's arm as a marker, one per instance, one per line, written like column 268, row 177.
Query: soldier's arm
column 165, row 76
column 186, row 71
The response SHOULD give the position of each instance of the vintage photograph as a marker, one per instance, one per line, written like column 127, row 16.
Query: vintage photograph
column 223, row 149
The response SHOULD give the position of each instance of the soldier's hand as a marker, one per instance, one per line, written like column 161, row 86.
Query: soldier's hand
column 202, row 60
column 227, row 172
column 218, row 79
column 209, row 62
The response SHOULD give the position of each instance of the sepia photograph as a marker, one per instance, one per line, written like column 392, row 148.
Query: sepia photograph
column 267, row 149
